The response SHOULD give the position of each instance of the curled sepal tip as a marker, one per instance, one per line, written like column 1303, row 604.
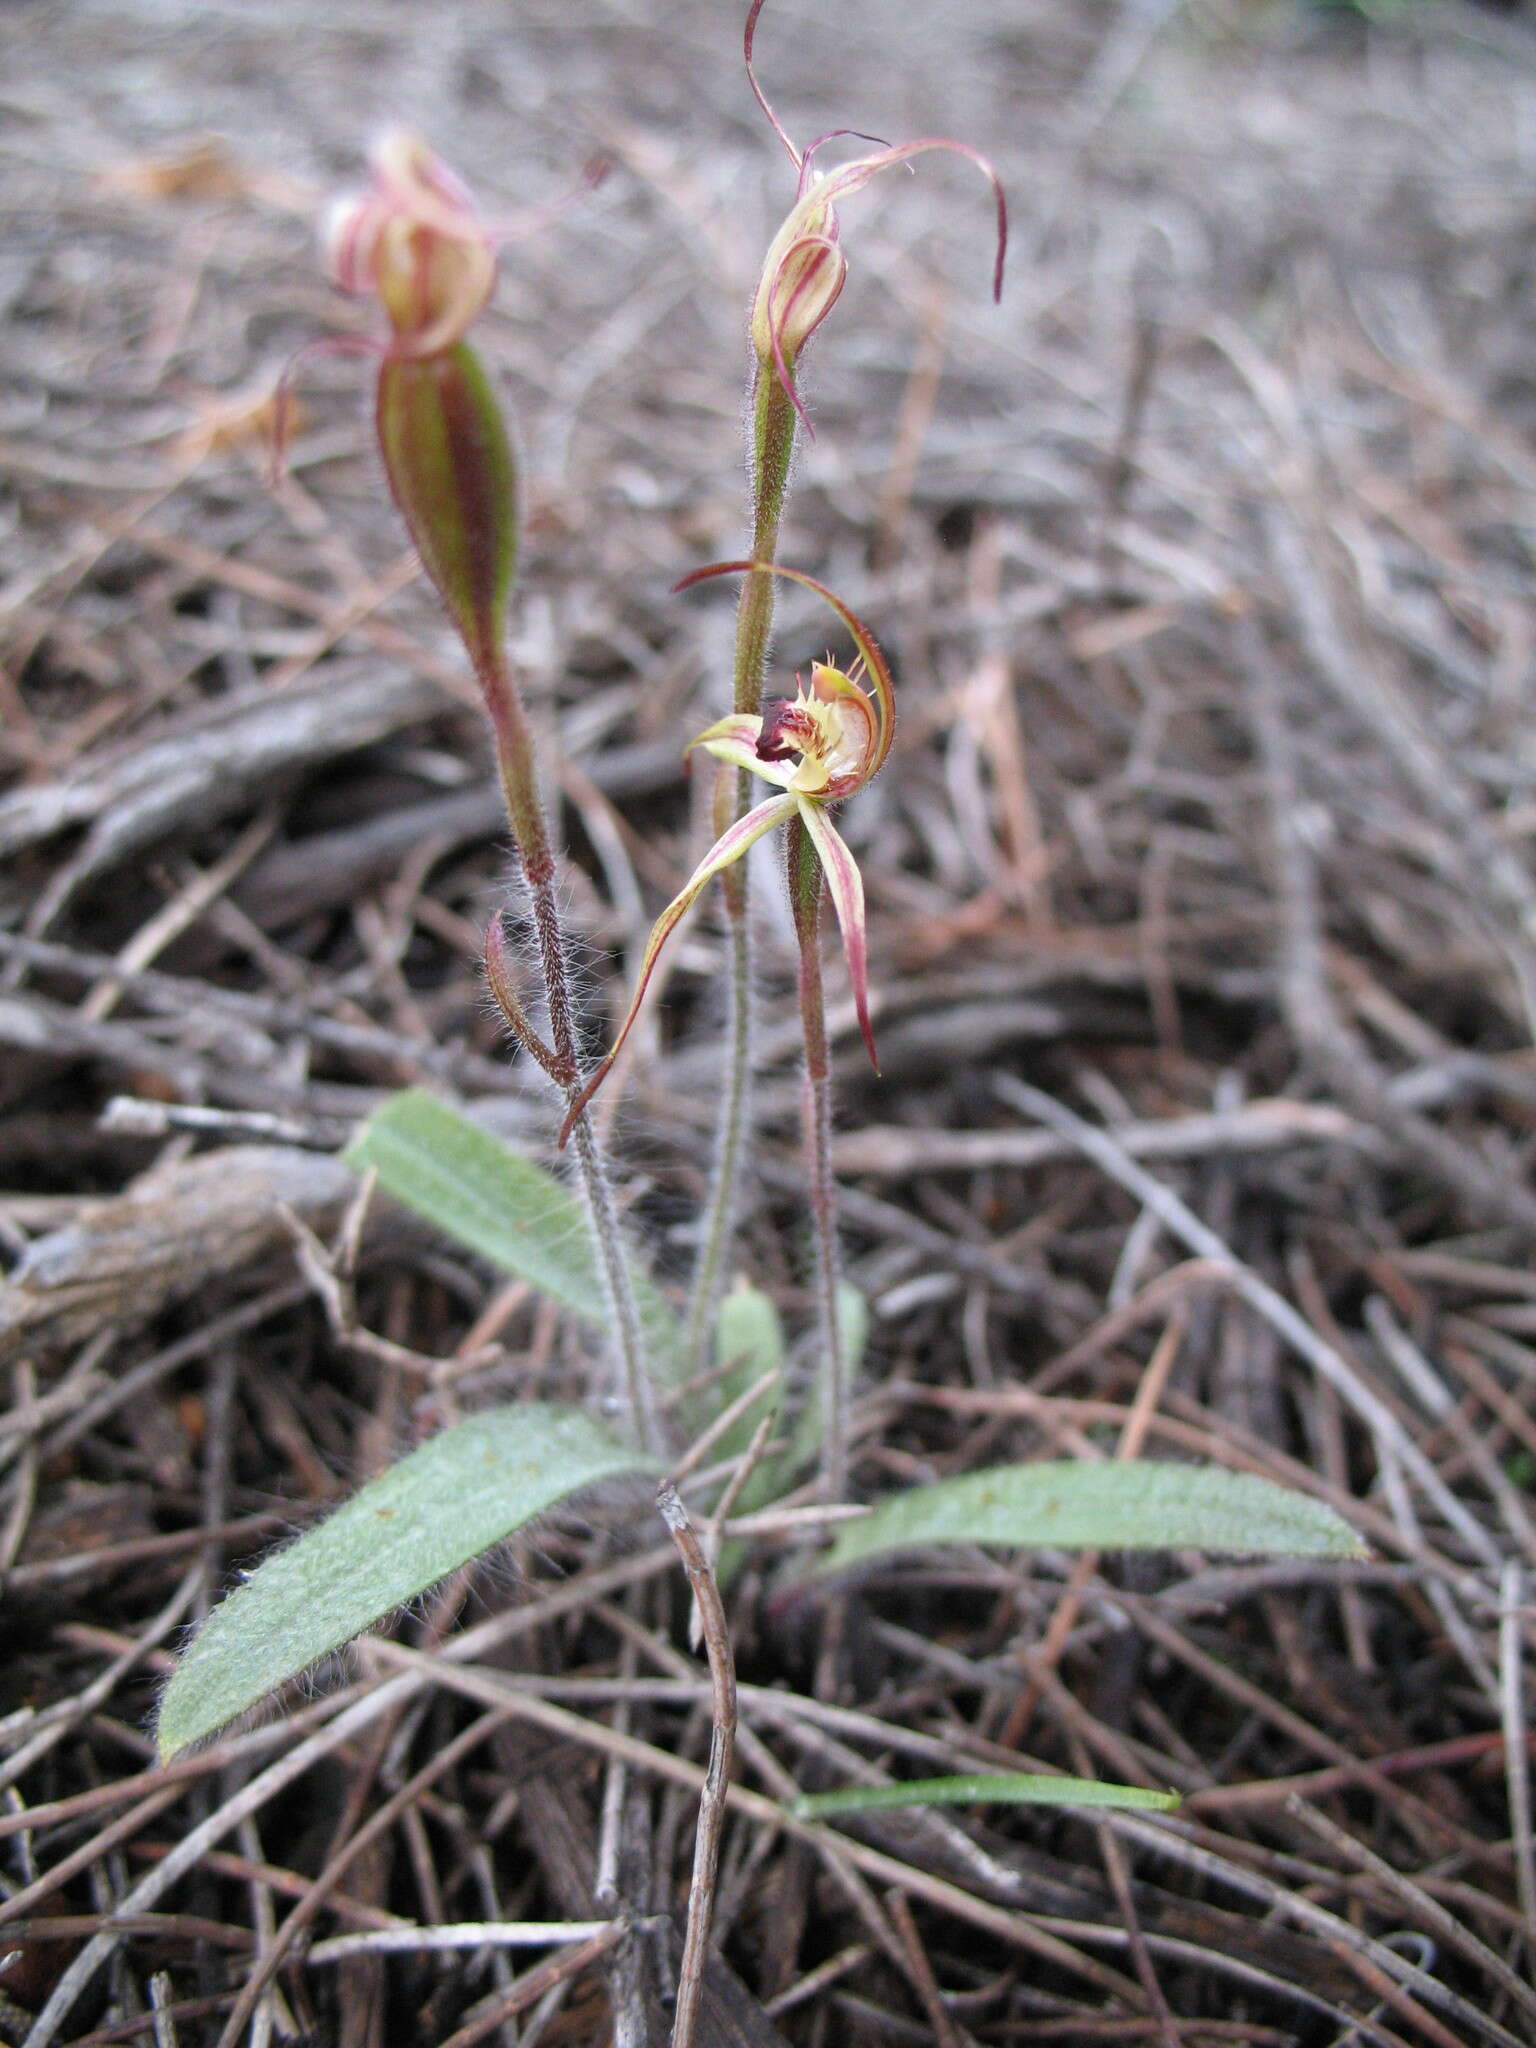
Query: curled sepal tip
column 805, row 268
column 871, row 660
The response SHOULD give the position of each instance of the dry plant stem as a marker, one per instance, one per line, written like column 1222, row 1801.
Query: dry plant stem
column 519, row 781
column 805, row 892
column 772, row 448
column 722, row 1740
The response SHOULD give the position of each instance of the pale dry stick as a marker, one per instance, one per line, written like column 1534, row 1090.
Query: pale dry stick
column 319, row 1892
column 1376, row 1962
column 1428, row 1912
column 253, row 1796
column 819, row 1979
column 1517, row 1763
column 694, row 1456
column 795, row 1521
column 250, row 1799
column 23, row 1488
column 272, row 2014
column 106, row 1682
column 457, row 1935
column 1339, row 1053
column 746, row 1465
column 1099, row 1146
column 859, row 1893
column 895, row 1151
column 549, row 1976
column 1046, row 1655
column 1399, row 1349
column 611, row 1888
column 946, row 2030
column 202, row 887
column 711, row 1820
column 1394, row 1487
column 492, row 1688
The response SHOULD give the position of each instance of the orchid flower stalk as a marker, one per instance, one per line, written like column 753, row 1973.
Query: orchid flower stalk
column 415, row 242
column 813, row 749
column 801, row 280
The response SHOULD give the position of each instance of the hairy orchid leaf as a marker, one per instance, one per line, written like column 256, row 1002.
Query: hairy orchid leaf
column 1139, row 1504
column 489, row 1197
column 448, row 1502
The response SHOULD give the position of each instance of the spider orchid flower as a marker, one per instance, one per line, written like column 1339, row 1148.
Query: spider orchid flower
column 814, row 748
column 805, row 268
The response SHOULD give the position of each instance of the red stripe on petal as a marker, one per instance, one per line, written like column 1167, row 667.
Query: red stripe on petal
column 845, row 885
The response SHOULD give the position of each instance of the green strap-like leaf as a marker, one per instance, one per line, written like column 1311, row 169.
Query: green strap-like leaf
column 462, row 1492
column 1011, row 1788
column 1135, row 1505
column 477, row 1189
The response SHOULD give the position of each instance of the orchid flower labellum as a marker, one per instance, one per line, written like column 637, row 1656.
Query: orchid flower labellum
column 805, row 268
column 815, row 748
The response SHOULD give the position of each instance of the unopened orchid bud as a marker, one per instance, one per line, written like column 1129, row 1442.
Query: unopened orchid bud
column 803, row 274
column 414, row 241
column 805, row 269
column 450, row 465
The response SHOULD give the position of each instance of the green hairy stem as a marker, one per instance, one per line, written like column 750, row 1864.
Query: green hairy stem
column 772, row 439
column 453, row 473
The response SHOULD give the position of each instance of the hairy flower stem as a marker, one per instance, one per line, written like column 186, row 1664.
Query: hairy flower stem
column 530, row 832
column 772, row 448
column 805, row 896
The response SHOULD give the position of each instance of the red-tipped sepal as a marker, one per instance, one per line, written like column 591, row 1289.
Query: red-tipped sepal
column 450, row 465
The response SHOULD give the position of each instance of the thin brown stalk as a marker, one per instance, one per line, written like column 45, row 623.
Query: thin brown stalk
column 712, row 1797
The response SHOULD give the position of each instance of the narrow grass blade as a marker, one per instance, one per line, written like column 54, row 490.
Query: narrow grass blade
column 1008, row 1788
column 1137, row 1505
column 455, row 1497
column 478, row 1190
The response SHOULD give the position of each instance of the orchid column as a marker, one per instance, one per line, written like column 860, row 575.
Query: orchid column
column 415, row 242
